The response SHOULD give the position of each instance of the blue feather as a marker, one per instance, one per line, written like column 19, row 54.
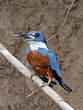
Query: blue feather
column 28, row 50
column 53, row 59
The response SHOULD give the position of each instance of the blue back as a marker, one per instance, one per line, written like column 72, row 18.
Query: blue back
column 28, row 50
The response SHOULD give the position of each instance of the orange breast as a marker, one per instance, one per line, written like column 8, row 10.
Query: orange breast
column 37, row 59
column 40, row 63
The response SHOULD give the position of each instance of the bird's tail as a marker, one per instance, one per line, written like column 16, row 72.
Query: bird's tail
column 55, row 80
column 62, row 83
column 65, row 86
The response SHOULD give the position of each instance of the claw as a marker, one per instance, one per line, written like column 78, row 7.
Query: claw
column 33, row 75
column 46, row 84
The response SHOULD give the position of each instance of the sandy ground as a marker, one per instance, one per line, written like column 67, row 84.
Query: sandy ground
column 18, row 16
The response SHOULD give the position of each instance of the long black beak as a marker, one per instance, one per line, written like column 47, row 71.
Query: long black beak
column 25, row 37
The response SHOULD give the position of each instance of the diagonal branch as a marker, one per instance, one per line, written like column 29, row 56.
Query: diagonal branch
column 64, row 22
column 26, row 72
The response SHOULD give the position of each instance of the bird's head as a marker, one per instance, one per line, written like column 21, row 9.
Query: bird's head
column 34, row 36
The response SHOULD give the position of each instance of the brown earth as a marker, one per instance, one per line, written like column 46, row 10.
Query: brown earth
column 18, row 16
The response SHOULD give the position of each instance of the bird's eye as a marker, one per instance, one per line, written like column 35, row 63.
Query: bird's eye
column 37, row 35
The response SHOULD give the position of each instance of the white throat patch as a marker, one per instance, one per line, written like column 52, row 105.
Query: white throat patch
column 36, row 45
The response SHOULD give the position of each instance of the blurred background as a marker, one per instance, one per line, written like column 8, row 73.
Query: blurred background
column 22, row 16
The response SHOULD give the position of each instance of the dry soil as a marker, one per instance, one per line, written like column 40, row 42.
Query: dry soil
column 18, row 16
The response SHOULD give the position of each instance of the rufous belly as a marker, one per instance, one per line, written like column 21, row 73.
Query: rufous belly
column 40, row 63
column 37, row 59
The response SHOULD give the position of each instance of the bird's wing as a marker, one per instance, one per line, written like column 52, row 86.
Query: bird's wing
column 54, row 68
column 54, row 65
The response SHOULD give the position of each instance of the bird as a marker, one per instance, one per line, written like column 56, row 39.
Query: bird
column 43, row 60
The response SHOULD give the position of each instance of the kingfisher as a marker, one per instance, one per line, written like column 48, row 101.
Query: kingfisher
column 43, row 60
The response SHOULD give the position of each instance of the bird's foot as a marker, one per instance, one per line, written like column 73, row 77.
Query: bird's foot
column 46, row 84
column 33, row 75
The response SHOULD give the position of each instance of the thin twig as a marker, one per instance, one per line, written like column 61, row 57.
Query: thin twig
column 33, row 93
column 36, row 91
column 62, row 26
